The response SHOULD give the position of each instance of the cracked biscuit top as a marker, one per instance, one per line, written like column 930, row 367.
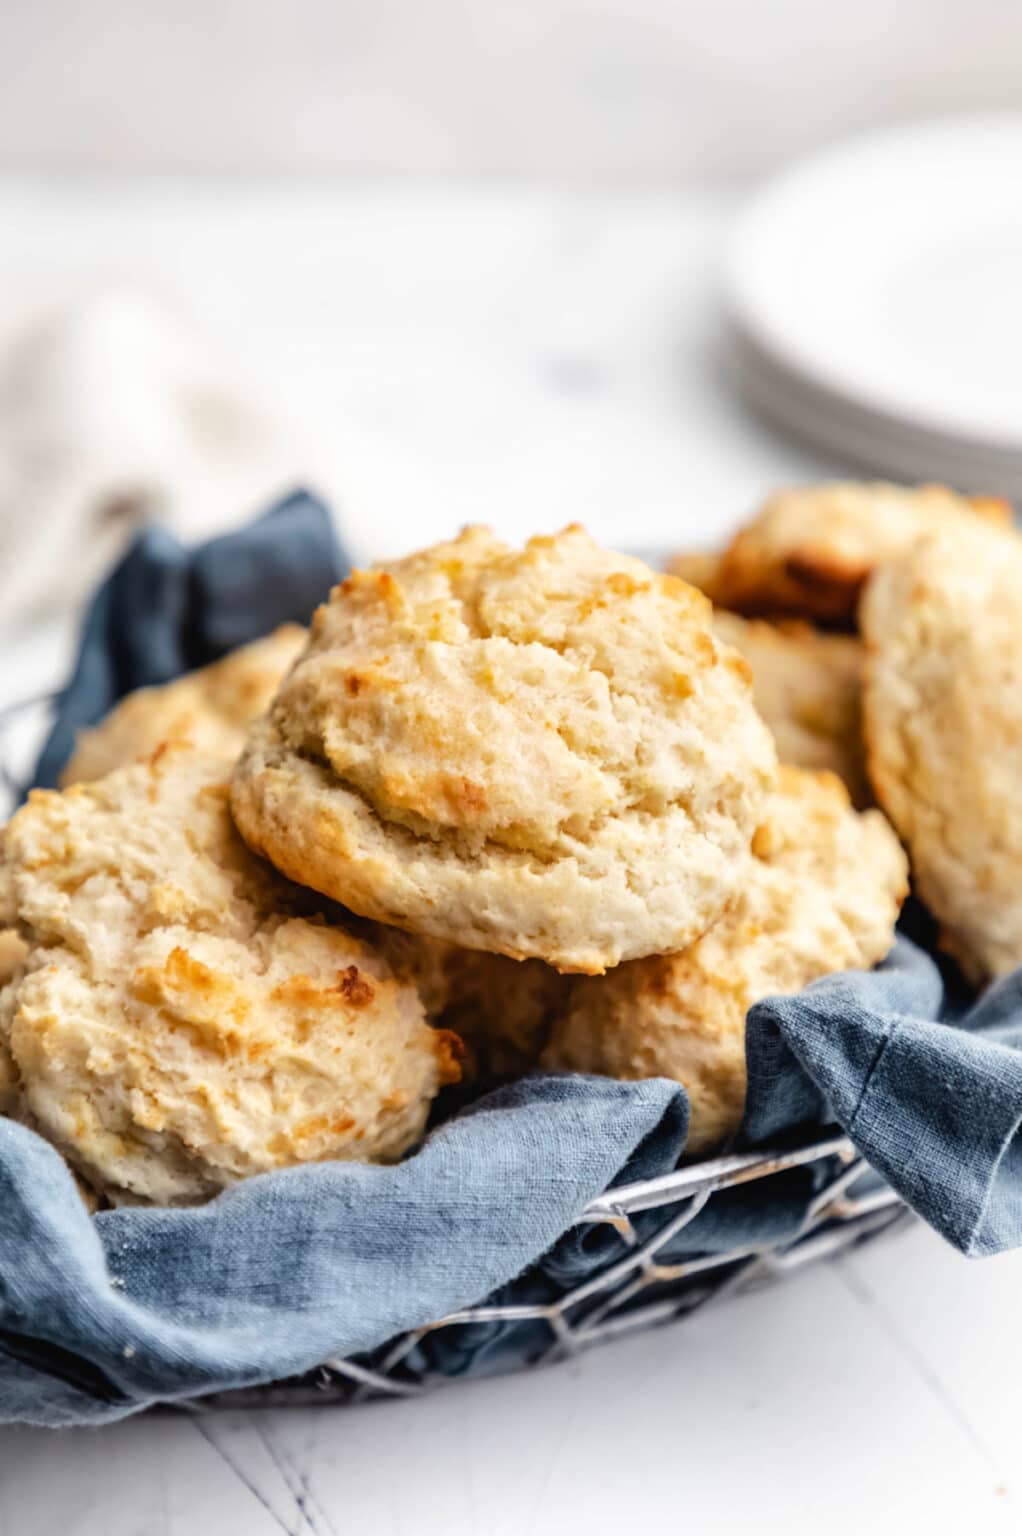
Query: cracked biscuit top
column 540, row 752
column 183, row 1017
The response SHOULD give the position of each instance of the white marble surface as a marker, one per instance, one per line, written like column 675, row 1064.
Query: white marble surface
column 527, row 357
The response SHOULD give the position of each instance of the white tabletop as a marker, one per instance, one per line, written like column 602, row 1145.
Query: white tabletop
column 527, row 357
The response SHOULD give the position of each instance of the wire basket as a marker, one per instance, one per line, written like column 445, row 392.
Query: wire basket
column 635, row 1291
column 638, row 1287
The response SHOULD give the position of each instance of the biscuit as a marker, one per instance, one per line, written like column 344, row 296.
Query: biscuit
column 211, row 709
column 13, row 954
column 499, row 1008
column 943, row 718
column 809, row 550
column 822, row 891
column 700, row 568
column 807, row 685
column 8, row 1082
column 427, row 963
column 539, row 753
column 503, row 1010
column 185, row 1018
column 13, row 951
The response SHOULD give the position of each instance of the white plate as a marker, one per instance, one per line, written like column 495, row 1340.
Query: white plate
column 854, row 436
column 888, row 272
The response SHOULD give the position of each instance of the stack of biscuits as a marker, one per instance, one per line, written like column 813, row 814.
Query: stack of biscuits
column 499, row 811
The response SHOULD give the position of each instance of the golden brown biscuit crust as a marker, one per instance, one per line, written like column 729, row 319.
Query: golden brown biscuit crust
column 943, row 714
column 809, row 550
column 185, row 1019
column 807, row 685
column 538, row 753
column 210, row 709
column 822, row 893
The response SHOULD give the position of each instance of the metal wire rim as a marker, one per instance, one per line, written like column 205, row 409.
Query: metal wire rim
column 611, row 1303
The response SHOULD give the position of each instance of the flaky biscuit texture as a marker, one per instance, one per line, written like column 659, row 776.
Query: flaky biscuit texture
column 807, row 685
column 538, row 753
column 210, row 709
column 822, row 891
column 184, row 1018
column 943, row 712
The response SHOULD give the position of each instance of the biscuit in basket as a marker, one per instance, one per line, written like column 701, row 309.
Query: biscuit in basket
column 807, row 685
column 184, row 1018
column 503, row 1010
column 211, row 709
column 700, row 568
column 8, row 1082
column 539, row 752
column 809, row 550
column 13, row 950
column 943, row 713
column 822, row 892
column 500, row 1009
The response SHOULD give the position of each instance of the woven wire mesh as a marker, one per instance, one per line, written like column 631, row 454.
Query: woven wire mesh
column 638, row 1286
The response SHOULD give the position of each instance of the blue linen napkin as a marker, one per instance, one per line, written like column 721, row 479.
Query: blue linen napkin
column 100, row 1317
column 165, row 609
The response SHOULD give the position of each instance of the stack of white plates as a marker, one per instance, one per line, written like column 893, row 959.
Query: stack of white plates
column 876, row 292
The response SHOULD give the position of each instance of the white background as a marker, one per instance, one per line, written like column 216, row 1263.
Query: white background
column 577, row 88
column 472, row 251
